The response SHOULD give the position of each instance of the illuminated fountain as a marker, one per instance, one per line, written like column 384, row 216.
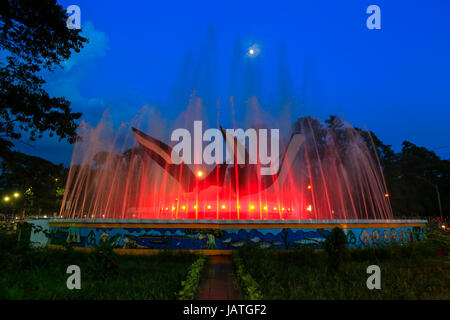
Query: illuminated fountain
column 326, row 172
column 126, row 183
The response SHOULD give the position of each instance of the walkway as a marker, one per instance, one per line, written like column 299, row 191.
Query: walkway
column 218, row 283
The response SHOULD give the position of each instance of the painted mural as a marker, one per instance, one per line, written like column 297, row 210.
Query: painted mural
column 228, row 239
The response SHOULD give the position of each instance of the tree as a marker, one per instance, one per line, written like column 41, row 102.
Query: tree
column 39, row 182
column 35, row 38
column 421, row 171
column 411, row 175
column 336, row 247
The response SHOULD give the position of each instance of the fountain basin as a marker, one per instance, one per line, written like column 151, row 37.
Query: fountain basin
column 214, row 237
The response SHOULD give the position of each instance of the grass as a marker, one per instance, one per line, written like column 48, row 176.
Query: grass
column 412, row 271
column 41, row 274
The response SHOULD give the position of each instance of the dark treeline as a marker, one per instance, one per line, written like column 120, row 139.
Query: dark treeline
column 418, row 181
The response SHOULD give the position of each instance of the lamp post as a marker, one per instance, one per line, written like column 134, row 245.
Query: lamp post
column 9, row 199
column 437, row 192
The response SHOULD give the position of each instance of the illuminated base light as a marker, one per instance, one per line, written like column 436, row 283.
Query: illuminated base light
column 224, row 206
column 199, row 173
column 309, row 187
column 251, row 207
column 208, row 207
column 309, row 208
column 265, row 208
column 183, row 207
column 195, row 207
column 386, row 195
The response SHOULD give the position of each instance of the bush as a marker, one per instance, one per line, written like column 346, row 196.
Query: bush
column 336, row 247
column 103, row 262
column 190, row 285
column 437, row 239
column 248, row 284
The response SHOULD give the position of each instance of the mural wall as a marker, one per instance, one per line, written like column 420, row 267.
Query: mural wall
column 228, row 239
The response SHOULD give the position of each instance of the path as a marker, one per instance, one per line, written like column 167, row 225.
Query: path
column 218, row 283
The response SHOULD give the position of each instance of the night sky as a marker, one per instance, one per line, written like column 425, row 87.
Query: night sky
column 394, row 81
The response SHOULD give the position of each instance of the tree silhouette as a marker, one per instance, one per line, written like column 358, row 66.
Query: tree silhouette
column 34, row 37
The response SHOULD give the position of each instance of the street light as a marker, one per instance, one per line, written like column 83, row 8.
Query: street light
column 16, row 194
column 6, row 198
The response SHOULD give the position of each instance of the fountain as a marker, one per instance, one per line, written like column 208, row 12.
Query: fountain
column 126, row 183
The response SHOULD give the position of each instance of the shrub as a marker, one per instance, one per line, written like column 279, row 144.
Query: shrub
column 103, row 261
column 437, row 239
column 249, row 285
column 336, row 247
column 190, row 285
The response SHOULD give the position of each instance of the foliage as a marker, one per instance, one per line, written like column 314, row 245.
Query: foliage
column 41, row 274
column 437, row 239
column 24, row 230
column 411, row 175
column 190, row 285
column 335, row 246
column 103, row 261
column 248, row 284
column 411, row 271
column 38, row 181
column 34, row 37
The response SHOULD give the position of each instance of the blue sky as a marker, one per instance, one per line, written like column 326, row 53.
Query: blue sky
column 394, row 81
